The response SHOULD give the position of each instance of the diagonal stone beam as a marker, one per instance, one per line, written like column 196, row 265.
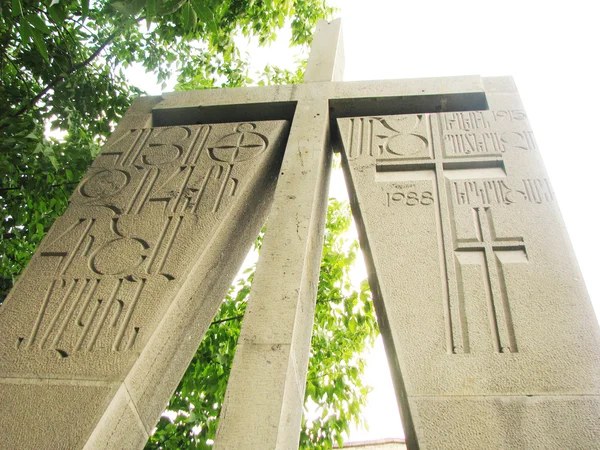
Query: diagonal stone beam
column 269, row 369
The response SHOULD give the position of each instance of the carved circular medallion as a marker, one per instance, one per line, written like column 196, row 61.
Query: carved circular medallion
column 406, row 144
column 104, row 183
column 242, row 145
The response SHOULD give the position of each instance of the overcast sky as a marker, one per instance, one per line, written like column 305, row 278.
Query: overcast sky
column 550, row 48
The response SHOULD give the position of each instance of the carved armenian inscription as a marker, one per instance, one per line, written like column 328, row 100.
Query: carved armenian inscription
column 467, row 134
column 455, row 163
column 112, row 264
column 500, row 192
column 476, row 132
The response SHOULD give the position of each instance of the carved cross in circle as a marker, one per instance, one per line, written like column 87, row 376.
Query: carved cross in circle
column 239, row 146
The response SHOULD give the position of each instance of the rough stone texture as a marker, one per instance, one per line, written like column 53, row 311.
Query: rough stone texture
column 490, row 334
column 104, row 321
column 269, row 370
column 265, row 394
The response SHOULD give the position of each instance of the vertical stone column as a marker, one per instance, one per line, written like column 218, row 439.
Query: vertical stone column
column 103, row 322
column 265, row 395
column 489, row 331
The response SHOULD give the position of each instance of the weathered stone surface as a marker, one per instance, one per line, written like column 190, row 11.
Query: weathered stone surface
column 271, row 361
column 265, row 394
column 106, row 317
column 487, row 324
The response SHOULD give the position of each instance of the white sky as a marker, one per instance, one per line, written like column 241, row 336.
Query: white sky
column 550, row 48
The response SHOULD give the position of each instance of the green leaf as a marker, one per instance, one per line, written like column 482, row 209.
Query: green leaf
column 150, row 13
column 129, row 7
column 37, row 23
column 25, row 31
column 17, row 8
column 40, row 44
column 189, row 17
column 206, row 15
column 310, row 390
column 352, row 325
column 150, row 8
column 121, row 7
column 57, row 14
column 85, row 8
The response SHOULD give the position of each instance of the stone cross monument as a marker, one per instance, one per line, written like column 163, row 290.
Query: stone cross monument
column 489, row 332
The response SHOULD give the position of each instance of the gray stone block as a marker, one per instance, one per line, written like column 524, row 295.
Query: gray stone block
column 117, row 298
column 479, row 296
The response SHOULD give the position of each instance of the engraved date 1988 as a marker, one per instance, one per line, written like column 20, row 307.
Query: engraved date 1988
column 410, row 198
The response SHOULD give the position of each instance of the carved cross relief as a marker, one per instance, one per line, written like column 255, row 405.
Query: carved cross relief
column 461, row 155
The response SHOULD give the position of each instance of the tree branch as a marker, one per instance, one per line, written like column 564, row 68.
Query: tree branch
column 4, row 190
column 227, row 320
column 61, row 78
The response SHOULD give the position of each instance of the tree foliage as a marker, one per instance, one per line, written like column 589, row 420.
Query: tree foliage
column 62, row 68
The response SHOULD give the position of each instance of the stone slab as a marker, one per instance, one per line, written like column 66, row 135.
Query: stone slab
column 379, row 444
column 280, row 312
column 126, row 282
column 508, row 422
column 42, row 415
column 331, row 90
column 476, row 286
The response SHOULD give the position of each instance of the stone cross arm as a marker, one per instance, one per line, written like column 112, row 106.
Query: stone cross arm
column 346, row 99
